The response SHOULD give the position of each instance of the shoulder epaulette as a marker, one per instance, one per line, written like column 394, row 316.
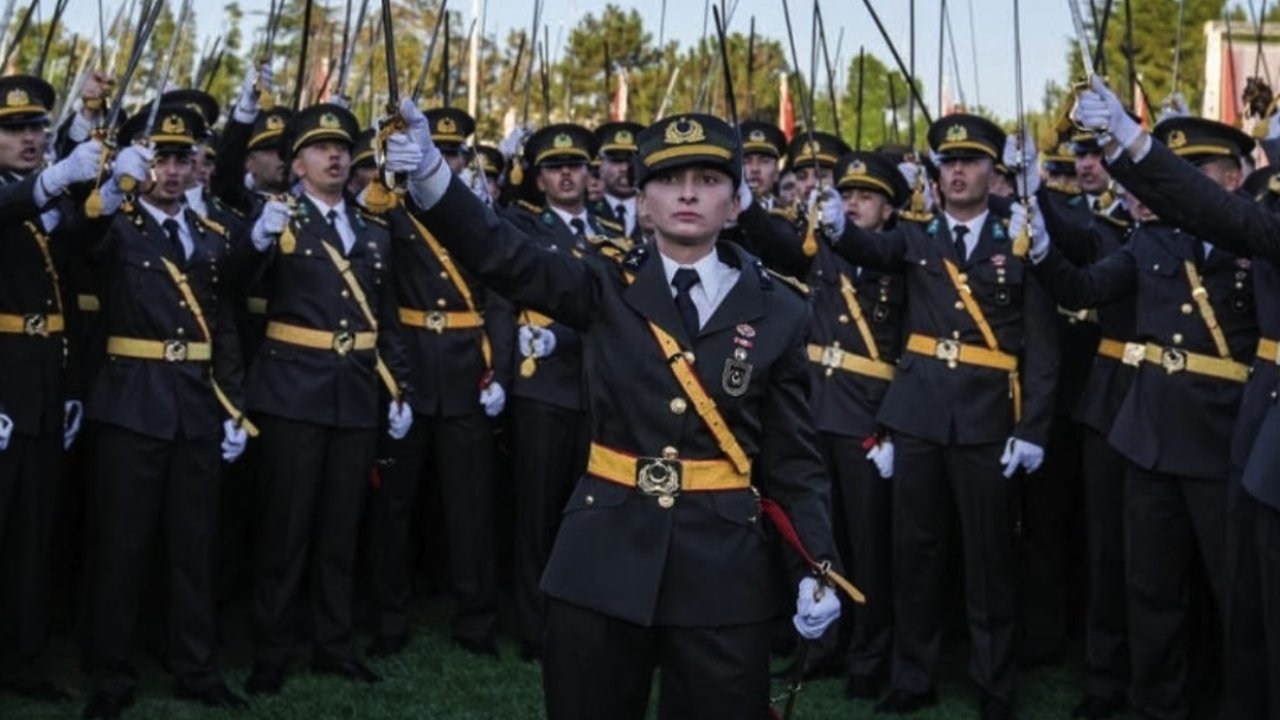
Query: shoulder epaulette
column 767, row 276
column 218, row 203
column 1065, row 187
column 790, row 214
column 212, row 225
column 1122, row 224
column 608, row 224
column 916, row 217
column 635, row 258
column 528, row 207
column 621, row 244
column 376, row 219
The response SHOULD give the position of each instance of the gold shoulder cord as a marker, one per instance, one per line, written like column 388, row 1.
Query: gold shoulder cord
column 988, row 335
column 344, row 268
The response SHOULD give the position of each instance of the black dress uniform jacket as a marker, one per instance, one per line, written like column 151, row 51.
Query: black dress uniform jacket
column 1236, row 223
column 319, row 386
column 1180, row 423
column 448, row 367
column 141, row 300
column 31, row 366
column 965, row 405
column 704, row 562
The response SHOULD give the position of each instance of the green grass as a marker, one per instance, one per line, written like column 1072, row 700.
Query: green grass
column 432, row 680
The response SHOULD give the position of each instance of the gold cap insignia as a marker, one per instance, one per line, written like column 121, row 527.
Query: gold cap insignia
column 857, row 167
column 446, row 125
column 275, row 122
column 684, row 131
column 957, row 133
column 812, row 148
column 329, row 121
column 756, row 136
column 562, row 141
column 17, row 98
column 1177, row 139
column 173, row 125
column 1065, row 149
column 624, row 137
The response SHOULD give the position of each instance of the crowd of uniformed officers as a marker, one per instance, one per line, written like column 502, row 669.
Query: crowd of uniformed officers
column 256, row 353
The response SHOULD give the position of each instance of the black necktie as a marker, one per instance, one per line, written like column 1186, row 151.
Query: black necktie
column 684, row 280
column 332, row 217
column 175, row 240
column 622, row 214
column 959, row 232
column 579, row 227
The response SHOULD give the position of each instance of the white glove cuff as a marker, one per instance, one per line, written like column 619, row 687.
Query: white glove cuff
column 427, row 191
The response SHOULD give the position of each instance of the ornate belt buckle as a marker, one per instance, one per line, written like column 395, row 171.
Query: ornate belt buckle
column 660, row 478
column 947, row 350
column 343, row 342
column 1173, row 360
column 1134, row 354
column 436, row 321
column 832, row 357
column 175, row 350
column 35, row 325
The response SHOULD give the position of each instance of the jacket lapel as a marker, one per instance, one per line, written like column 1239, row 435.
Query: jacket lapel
column 991, row 238
column 744, row 301
column 651, row 296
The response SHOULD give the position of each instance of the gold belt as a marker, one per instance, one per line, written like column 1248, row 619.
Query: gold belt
column 166, row 350
column 954, row 352
column 1127, row 353
column 833, row 357
column 1176, row 360
column 1269, row 350
column 438, row 321
column 341, row 342
column 33, row 325
column 666, row 476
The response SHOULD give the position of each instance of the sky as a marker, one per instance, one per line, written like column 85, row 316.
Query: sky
column 1046, row 33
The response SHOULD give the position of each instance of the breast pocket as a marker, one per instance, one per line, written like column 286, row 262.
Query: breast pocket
column 148, row 279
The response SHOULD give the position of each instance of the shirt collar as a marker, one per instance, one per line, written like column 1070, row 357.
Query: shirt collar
column 711, row 271
column 974, row 224
column 614, row 202
column 324, row 207
column 160, row 216
column 566, row 216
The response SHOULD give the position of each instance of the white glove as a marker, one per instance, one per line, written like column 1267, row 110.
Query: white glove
column 745, row 196
column 910, row 172
column 399, row 420
column 493, row 398
column 510, row 145
column 1174, row 106
column 1098, row 109
column 1021, row 218
column 6, row 431
column 1021, row 454
column 1021, row 159
column 817, row 608
column 271, row 222
column 73, row 413
column 882, row 456
column 535, row 342
column 431, row 178
column 831, row 210
column 80, row 166
column 234, row 440
column 246, row 110
column 133, row 161
column 403, row 154
column 341, row 101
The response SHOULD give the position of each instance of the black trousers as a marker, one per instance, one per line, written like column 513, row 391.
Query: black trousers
column 1268, row 543
column 460, row 452
column 313, row 484
column 862, row 515
column 144, row 486
column 1172, row 524
column 1106, row 624
column 929, row 479
column 28, row 483
column 596, row 666
column 1244, row 655
column 551, row 445
column 1050, row 501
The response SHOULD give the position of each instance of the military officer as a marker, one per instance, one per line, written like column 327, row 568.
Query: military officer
column 250, row 165
column 167, row 395
column 493, row 166
column 332, row 344
column 763, row 146
column 970, row 406
column 548, row 413
column 459, row 343
column 1196, row 331
column 617, row 142
column 812, row 156
column 1201, row 201
column 453, row 126
column 696, row 385
column 38, row 413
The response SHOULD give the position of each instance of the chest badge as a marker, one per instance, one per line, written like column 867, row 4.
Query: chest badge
column 736, row 376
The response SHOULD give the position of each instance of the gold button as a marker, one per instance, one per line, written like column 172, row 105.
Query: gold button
column 146, row 263
column 345, row 293
column 844, row 319
column 182, row 331
column 182, row 303
column 589, row 500
column 441, row 303
column 923, row 261
column 48, row 302
column 678, row 406
column 1156, row 267
column 307, row 251
column 959, row 304
column 670, row 453
column 342, row 323
column 964, row 278
column 666, row 502
column 689, row 357
column 1239, row 286
column 955, row 334
column 1187, row 309
column 829, row 372
column 444, row 275
column 1177, row 338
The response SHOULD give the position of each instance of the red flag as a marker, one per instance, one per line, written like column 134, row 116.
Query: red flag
column 786, row 113
column 618, row 108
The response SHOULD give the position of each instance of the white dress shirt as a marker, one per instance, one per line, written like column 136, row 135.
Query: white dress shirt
column 195, row 200
column 184, row 232
column 715, row 280
column 975, row 229
column 340, row 222
column 629, row 219
column 568, row 219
